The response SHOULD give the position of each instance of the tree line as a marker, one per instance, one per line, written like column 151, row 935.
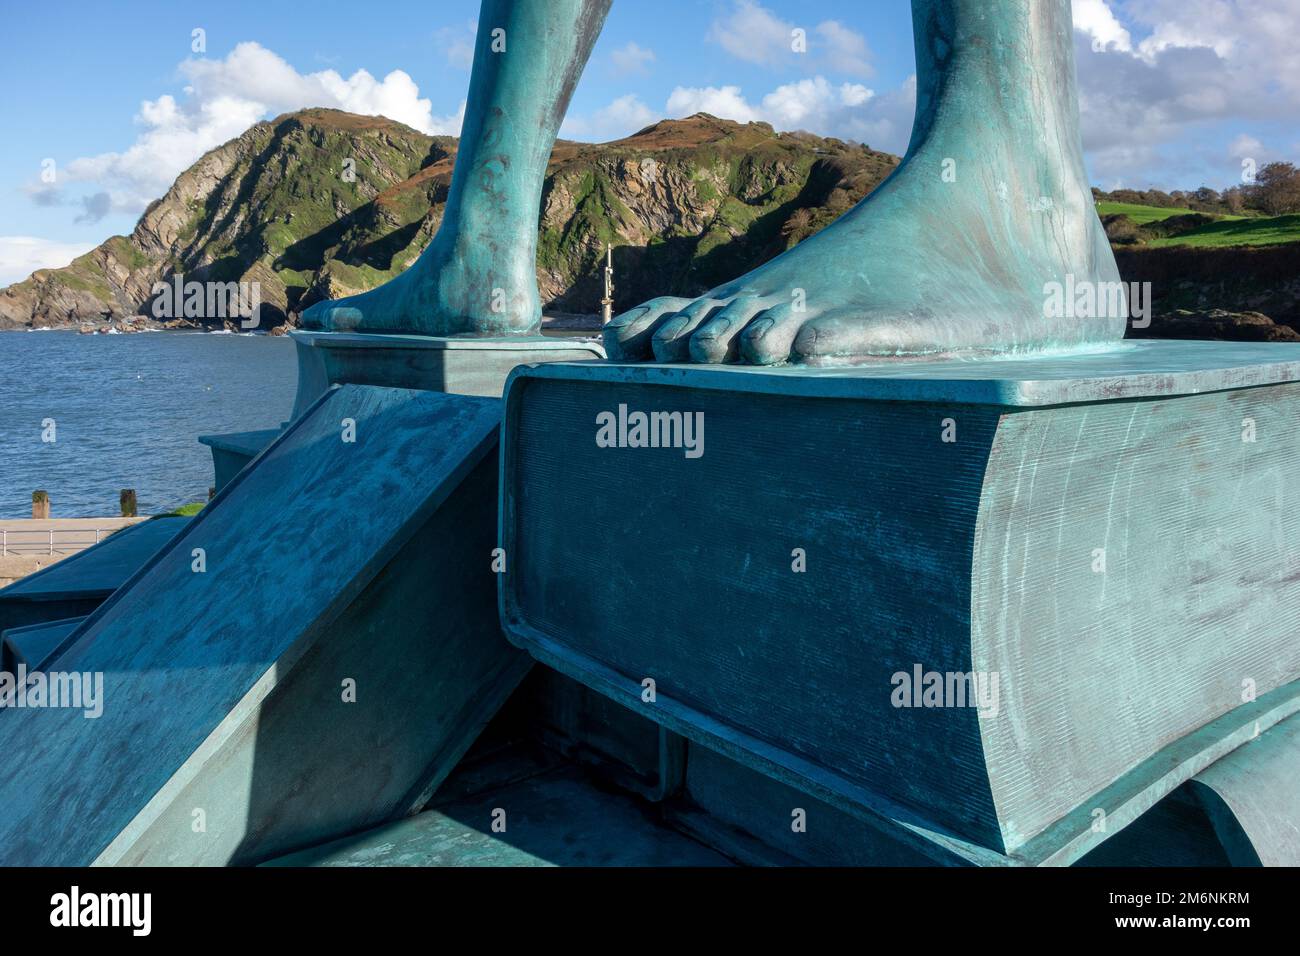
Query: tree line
column 1275, row 191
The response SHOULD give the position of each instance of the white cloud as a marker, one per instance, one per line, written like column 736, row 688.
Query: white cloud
column 1191, row 23
column 171, row 140
column 886, row 122
column 1245, row 147
column 1095, row 18
column 1247, row 153
column 754, row 34
column 622, row 117
column 632, row 59
column 1152, row 101
column 840, row 49
column 457, row 44
column 221, row 100
column 20, row 256
column 795, row 105
column 724, row 101
column 848, row 111
column 250, row 73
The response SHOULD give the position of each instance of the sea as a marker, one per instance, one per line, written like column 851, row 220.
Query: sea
column 84, row 416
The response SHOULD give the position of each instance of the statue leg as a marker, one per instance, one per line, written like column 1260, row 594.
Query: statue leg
column 955, row 253
column 479, row 274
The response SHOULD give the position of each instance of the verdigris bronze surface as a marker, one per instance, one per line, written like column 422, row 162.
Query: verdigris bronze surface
column 950, row 256
column 226, row 659
column 478, row 275
column 1107, row 540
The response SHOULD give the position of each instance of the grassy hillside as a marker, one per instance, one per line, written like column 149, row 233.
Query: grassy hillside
column 319, row 204
column 1238, row 231
column 1140, row 215
column 1131, row 224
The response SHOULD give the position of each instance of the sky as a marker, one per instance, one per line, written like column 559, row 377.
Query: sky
column 106, row 102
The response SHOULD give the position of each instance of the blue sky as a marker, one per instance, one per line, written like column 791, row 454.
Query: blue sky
column 1175, row 93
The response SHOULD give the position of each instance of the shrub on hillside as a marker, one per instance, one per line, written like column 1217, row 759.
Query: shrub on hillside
column 1121, row 230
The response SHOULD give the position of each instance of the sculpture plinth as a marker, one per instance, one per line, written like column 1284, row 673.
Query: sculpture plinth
column 250, row 677
column 457, row 365
column 1100, row 547
column 460, row 365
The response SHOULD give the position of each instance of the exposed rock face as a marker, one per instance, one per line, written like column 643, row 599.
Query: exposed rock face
column 1259, row 281
column 321, row 203
column 254, row 209
column 1217, row 324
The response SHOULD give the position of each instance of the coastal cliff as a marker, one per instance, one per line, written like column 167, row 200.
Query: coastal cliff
column 321, row 203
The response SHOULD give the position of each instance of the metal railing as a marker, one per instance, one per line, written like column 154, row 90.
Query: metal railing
column 51, row 541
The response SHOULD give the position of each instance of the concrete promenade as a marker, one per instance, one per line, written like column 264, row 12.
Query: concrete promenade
column 27, row 544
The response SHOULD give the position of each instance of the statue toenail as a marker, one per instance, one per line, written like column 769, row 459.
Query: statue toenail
column 759, row 329
column 672, row 328
column 712, row 332
column 345, row 318
column 627, row 318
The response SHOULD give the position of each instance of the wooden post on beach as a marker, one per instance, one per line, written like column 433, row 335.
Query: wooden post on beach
column 127, row 499
column 40, row 505
column 607, row 303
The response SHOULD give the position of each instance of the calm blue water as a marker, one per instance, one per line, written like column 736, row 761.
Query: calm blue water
column 127, row 409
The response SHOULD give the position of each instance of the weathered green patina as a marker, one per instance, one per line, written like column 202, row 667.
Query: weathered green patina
column 81, row 582
column 283, row 669
column 951, row 611
column 951, row 256
column 457, row 365
column 36, row 644
column 955, row 253
column 1110, row 536
column 1252, row 797
column 478, row 275
column 232, row 451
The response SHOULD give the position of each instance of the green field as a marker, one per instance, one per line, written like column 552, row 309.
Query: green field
column 1233, row 231
column 1141, row 215
column 1224, row 231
